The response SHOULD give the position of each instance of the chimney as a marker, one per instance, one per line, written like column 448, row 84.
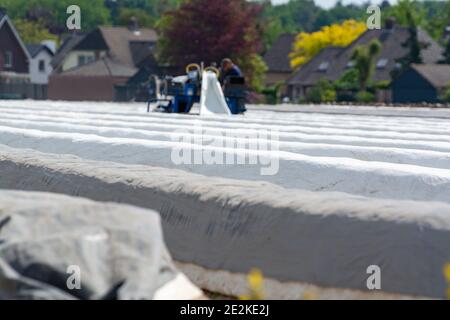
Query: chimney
column 133, row 25
column 390, row 23
column 2, row 11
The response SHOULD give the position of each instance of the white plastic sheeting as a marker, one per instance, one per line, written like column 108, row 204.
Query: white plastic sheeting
column 59, row 247
column 212, row 100
column 327, row 239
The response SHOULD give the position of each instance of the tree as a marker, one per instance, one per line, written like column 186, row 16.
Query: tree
column 445, row 97
column 210, row 30
column 53, row 12
column 323, row 91
column 364, row 57
column 446, row 54
column 152, row 9
column 144, row 20
column 307, row 45
column 405, row 10
column 33, row 32
column 412, row 43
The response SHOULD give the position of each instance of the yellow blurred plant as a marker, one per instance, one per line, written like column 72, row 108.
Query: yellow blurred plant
column 447, row 277
column 256, row 286
column 307, row 45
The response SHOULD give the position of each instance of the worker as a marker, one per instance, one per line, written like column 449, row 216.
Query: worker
column 228, row 69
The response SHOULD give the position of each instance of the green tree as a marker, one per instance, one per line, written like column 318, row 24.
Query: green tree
column 364, row 58
column 445, row 97
column 54, row 12
column 143, row 19
column 446, row 54
column 404, row 11
column 323, row 91
column 255, row 67
column 412, row 44
column 33, row 32
column 151, row 8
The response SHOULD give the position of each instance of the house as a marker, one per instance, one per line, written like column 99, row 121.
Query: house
column 278, row 61
column 14, row 57
column 421, row 83
column 93, row 81
column 114, row 52
column 67, row 46
column 313, row 71
column 132, row 46
column 331, row 63
column 41, row 61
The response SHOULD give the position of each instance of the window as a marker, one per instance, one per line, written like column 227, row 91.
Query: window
column 323, row 66
column 351, row 64
column 382, row 63
column 84, row 59
column 81, row 60
column 41, row 66
column 8, row 59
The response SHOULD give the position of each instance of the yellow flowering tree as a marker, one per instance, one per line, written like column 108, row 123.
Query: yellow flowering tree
column 307, row 45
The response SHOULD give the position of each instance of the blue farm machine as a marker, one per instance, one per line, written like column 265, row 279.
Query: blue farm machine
column 179, row 94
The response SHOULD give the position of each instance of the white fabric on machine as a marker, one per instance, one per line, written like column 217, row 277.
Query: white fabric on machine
column 212, row 100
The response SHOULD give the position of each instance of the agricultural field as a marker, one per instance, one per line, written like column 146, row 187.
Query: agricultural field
column 290, row 190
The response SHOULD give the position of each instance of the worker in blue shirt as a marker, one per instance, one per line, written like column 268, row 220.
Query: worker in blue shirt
column 229, row 69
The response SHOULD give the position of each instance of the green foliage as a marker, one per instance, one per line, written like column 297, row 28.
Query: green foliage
column 382, row 85
column 305, row 16
column 144, row 20
column 405, row 10
column 364, row 57
column 153, row 9
column 348, row 81
column 432, row 16
column 446, row 54
column 272, row 93
column 33, row 32
column 365, row 97
column 53, row 12
column 445, row 97
column 254, row 69
column 412, row 44
column 323, row 91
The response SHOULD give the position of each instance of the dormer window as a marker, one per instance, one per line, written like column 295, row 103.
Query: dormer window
column 8, row 59
column 382, row 63
column 323, row 66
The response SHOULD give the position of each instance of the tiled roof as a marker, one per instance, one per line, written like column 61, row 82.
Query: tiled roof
column 34, row 49
column 102, row 67
column 392, row 50
column 437, row 74
column 118, row 40
column 317, row 68
column 277, row 57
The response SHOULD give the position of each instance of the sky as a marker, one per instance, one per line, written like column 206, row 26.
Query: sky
column 330, row 3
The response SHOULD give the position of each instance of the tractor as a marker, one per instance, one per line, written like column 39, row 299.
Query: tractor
column 179, row 94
